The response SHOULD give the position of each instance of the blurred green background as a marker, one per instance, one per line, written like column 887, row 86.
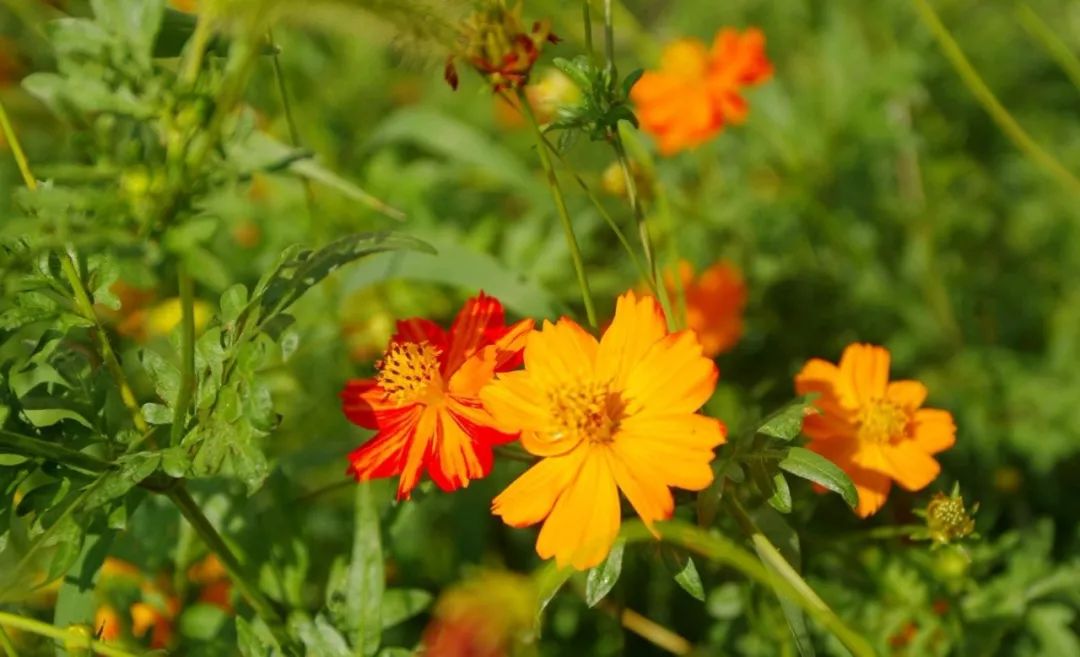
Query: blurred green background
column 869, row 197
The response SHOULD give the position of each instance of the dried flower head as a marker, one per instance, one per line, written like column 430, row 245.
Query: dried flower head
column 494, row 40
column 947, row 519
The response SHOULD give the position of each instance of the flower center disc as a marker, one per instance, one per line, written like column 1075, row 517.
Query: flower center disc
column 409, row 371
column 589, row 411
column 882, row 421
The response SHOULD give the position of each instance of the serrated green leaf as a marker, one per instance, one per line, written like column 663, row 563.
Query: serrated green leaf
column 355, row 593
column 163, row 374
column 603, row 578
column 814, row 467
column 233, row 301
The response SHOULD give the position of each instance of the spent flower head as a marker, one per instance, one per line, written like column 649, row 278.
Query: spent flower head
column 947, row 519
column 496, row 41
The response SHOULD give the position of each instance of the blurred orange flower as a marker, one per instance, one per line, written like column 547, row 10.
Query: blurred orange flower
column 424, row 401
column 714, row 304
column 698, row 90
column 874, row 429
column 481, row 617
column 618, row 414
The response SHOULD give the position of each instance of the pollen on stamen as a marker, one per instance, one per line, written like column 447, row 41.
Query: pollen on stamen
column 408, row 369
column 589, row 411
column 883, row 421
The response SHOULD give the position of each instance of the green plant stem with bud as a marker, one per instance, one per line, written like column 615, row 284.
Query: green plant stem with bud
column 187, row 355
column 560, row 207
column 74, row 637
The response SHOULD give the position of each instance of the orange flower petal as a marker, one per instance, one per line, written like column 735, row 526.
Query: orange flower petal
column 649, row 495
column 382, row 456
column 934, row 430
column 692, row 430
column 907, row 394
column 560, row 352
column 476, row 371
column 514, row 400
column 671, row 377
column 676, row 464
column 474, row 322
column 865, row 368
column 873, row 489
column 455, row 457
column 585, row 519
column 530, row 497
column 418, row 452
column 637, row 326
column 910, row 466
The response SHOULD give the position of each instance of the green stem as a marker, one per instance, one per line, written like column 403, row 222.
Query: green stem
column 1057, row 48
column 560, row 206
column 990, row 103
column 37, row 448
column 262, row 605
column 290, row 120
column 187, row 356
column 16, row 150
column 721, row 550
column 73, row 637
column 609, row 38
column 5, row 642
column 586, row 18
column 193, row 58
column 86, row 308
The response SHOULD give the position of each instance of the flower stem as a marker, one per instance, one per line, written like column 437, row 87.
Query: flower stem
column 721, row 550
column 262, row 605
column 35, row 447
column 1058, row 49
column 1009, row 125
column 5, row 642
column 187, row 355
column 654, row 633
column 560, row 206
column 586, row 18
column 73, row 637
column 86, row 308
column 16, row 150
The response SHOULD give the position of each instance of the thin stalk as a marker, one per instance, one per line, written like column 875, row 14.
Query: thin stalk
column 1046, row 37
column 16, row 150
column 193, row 58
column 262, row 605
column 290, row 120
column 604, row 214
column 73, row 638
column 609, row 37
column 655, row 633
column 6, row 643
column 560, row 206
column 35, row 447
column 187, row 356
column 990, row 103
column 721, row 550
column 86, row 308
column 586, row 18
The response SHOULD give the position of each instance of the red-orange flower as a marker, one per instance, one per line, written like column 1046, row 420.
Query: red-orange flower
column 714, row 304
column 424, row 402
column 874, row 429
column 698, row 90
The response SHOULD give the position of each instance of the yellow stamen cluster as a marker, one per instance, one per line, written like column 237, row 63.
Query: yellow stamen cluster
column 947, row 520
column 588, row 411
column 409, row 370
column 882, row 421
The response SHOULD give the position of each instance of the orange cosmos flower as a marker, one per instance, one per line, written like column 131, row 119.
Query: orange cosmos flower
column 483, row 617
column 424, row 402
column 698, row 90
column 714, row 304
column 618, row 414
column 872, row 428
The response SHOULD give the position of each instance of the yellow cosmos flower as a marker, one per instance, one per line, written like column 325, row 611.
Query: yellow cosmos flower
column 618, row 414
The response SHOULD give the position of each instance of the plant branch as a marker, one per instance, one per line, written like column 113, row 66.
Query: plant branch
column 5, row 642
column 73, row 637
column 16, row 150
column 187, row 355
column 262, row 605
column 974, row 82
column 1057, row 48
column 560, row 206
column 37, row 448
column 721, row 550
